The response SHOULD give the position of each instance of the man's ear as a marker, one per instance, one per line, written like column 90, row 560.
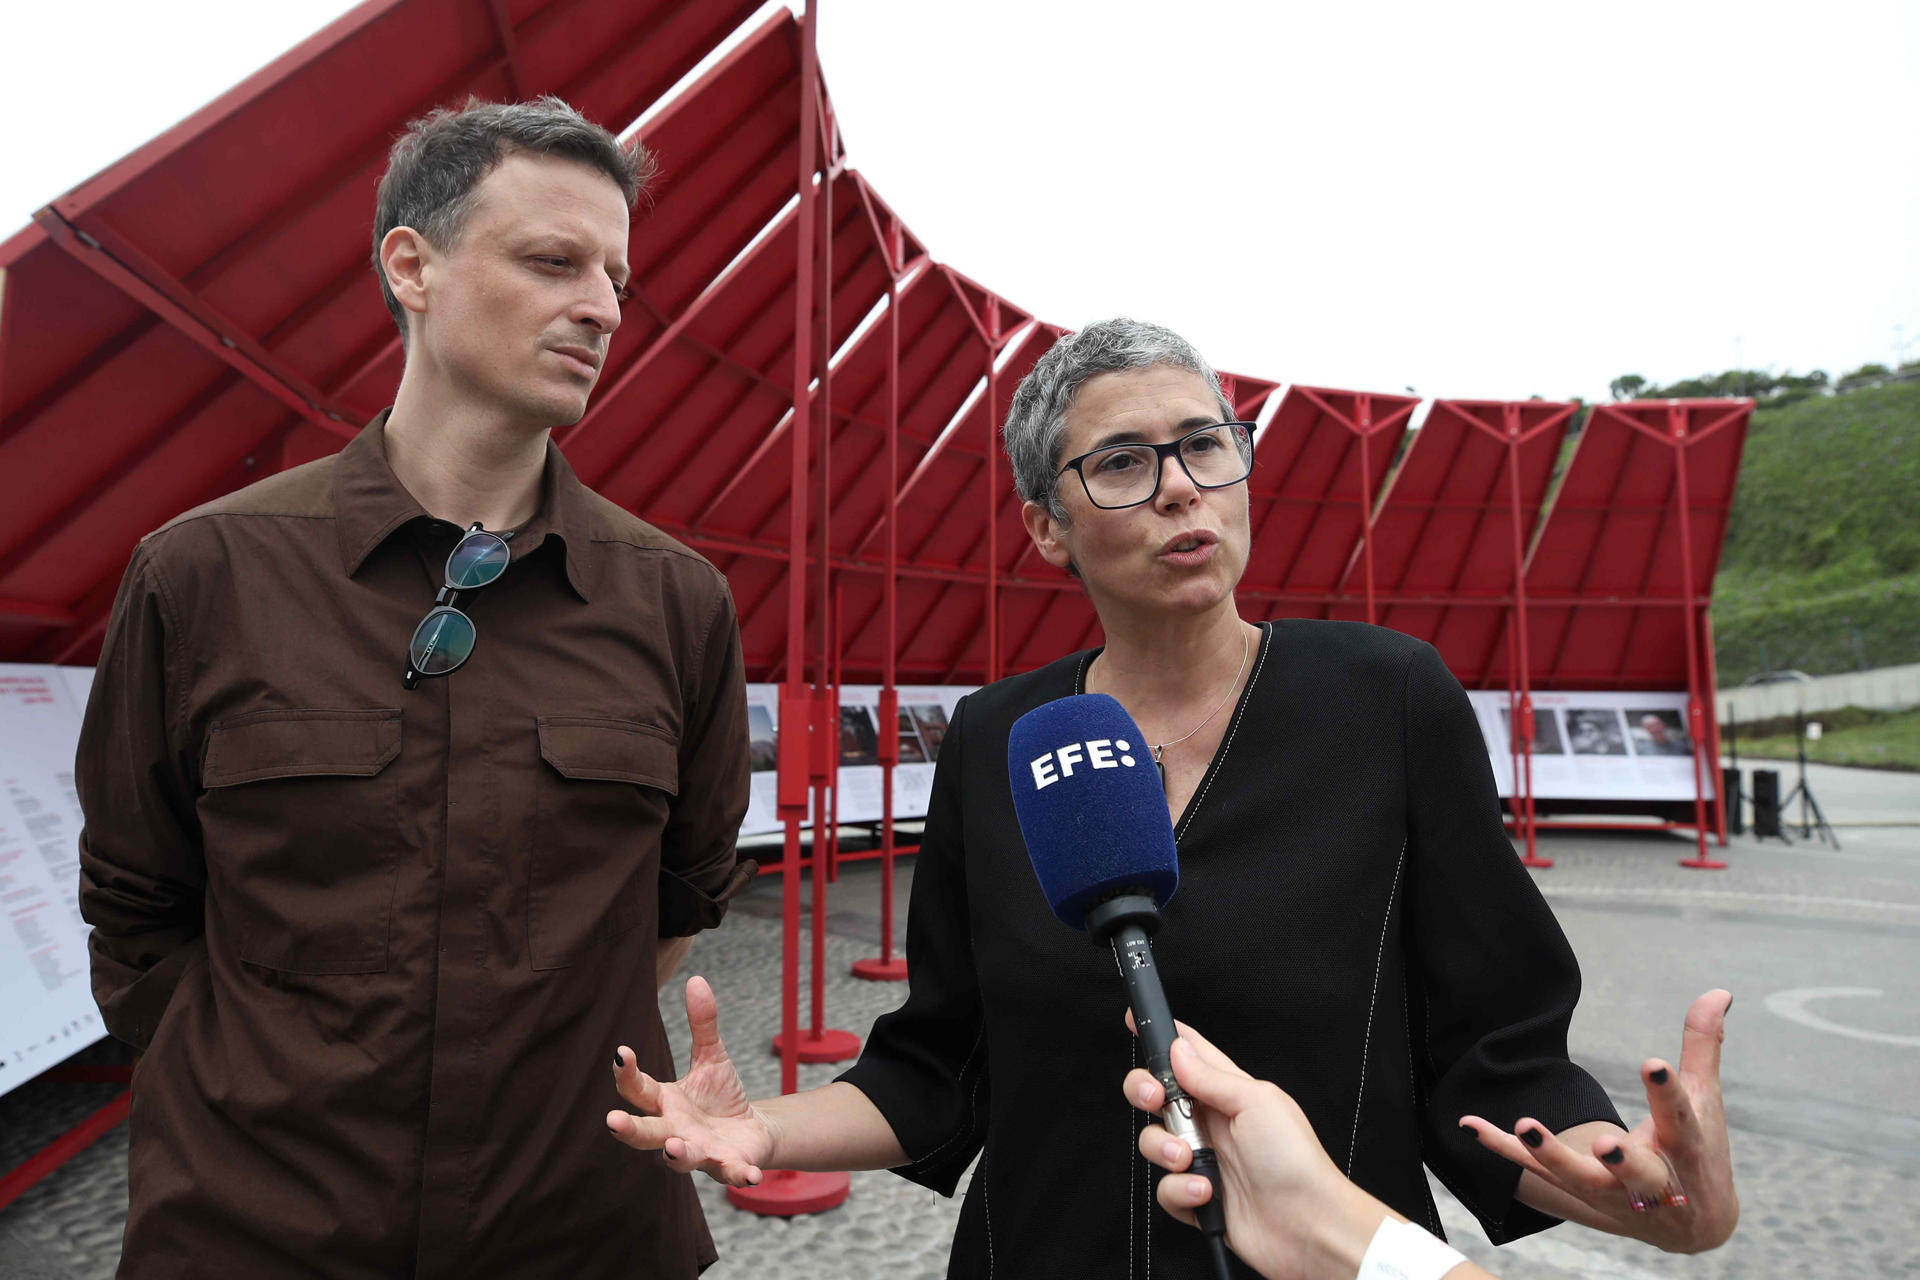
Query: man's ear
column 1046, row 533
column 405, row 256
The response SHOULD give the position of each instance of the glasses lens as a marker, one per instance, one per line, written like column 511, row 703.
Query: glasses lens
column 1217, row 456
column 1121, row 476
column 479, row 559
column 443, row 640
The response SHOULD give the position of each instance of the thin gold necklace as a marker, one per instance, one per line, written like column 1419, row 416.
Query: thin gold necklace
column 1246, row 647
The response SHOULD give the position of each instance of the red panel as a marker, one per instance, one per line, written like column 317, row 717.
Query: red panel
column 1444, row 539
column 1309, row 494
column 1605, row 577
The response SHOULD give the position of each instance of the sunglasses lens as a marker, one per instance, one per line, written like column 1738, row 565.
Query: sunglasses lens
column 478, row 560
column 443, row 640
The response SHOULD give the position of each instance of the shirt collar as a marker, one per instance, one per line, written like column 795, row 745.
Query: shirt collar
column 370, row 504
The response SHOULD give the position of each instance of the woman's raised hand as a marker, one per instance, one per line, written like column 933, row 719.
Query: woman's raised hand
column 703, row 1121
column 1670, row 1180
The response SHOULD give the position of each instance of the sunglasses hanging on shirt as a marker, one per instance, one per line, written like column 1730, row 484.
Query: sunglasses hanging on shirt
column 445, row 637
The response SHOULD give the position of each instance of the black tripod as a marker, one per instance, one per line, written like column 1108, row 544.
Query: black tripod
column 1808, row 805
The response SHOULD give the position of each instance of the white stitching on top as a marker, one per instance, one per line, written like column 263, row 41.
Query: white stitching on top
column 986, row 1207
column 1367, row 1045
column 973, row 1103
column 1133, row 1170
column 1246, row 700
column 1146, row 1199
column 1413, row 1086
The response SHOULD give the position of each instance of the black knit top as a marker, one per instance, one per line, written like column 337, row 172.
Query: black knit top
column 1351, row 923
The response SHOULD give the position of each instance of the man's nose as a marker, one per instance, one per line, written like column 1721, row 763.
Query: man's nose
column 598, row 308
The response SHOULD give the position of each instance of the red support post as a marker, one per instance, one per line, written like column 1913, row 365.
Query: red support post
column 1364, row 411
column 785, row 1192
column 993, row 495
column 887, row 967
column 1696, row 716
column 1518, row 655
column 1720, row 800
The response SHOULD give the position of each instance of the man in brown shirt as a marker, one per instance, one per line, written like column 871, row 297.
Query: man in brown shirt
column 377, row 942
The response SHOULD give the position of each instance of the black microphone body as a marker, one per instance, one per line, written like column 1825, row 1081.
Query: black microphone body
column 1127, row 923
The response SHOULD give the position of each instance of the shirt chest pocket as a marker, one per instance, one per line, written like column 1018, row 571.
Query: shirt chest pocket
column 302, row 841
column 604, row 794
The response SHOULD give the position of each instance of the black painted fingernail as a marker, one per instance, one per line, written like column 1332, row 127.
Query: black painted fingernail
column 1658, row 1075
column 1615, row 1156
column 617, row 1064
column 1533, row 1138
column 1729, row 1009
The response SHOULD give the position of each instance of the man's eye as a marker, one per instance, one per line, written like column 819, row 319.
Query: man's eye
column 1117, row 462
column 622, row 294
column 547, row 260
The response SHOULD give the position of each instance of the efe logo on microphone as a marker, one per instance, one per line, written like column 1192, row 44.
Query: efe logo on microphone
column 1099, row 753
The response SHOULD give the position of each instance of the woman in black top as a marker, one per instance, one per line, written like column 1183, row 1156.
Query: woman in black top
column 1351, row 921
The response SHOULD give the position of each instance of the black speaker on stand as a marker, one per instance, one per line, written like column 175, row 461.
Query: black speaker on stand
column 1766, row 805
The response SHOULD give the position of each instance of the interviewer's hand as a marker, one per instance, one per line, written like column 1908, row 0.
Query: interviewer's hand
column 1289, row 1208
column 702, row 1122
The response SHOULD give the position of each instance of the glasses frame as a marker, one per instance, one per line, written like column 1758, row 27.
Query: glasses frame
column 448, row 598
column 1161, row 453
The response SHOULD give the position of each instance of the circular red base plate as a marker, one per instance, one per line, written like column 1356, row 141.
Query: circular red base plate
column 874, row 969
column 1705, row 864
column 1536, row 862
column 828, row 1046
column 783, row 1193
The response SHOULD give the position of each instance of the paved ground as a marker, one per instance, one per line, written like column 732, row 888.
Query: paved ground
column 1820, row 946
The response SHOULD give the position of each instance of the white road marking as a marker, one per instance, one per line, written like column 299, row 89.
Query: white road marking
column 1791, row 1004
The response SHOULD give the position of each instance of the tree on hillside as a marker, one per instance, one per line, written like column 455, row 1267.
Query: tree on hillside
column 1627, row 386
column 1867, row 371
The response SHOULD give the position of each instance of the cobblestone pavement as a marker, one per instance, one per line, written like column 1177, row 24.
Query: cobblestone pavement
column 1822, row 1067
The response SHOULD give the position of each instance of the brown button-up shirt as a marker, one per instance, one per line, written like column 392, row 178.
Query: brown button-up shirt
column 378, row 946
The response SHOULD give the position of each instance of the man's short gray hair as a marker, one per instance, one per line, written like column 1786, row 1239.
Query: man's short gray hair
column 437, row 164
column 1037, row 421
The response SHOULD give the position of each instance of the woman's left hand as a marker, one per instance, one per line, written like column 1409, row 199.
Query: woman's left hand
column 1670, row 1180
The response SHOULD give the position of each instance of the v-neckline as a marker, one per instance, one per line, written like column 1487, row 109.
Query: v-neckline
column 1226, row 739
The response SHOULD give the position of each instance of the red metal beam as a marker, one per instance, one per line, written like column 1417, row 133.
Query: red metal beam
column 509, row 46
column 88, row 253
column 37, row 1166
column 37, row 612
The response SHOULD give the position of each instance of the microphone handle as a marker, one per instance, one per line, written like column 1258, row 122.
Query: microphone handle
column 1153, row 1020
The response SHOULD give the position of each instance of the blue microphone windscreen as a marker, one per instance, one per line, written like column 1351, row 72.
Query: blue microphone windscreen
column 1090, row 805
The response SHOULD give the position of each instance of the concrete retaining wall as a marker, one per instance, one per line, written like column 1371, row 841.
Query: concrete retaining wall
column 1884, row 688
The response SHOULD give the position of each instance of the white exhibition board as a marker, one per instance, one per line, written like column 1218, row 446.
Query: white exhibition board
column 1587, row 746
column 44, row 987
column 924, row 712
column 1598, row 746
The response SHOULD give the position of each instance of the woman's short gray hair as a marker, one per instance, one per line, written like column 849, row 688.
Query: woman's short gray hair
column 1037, row 419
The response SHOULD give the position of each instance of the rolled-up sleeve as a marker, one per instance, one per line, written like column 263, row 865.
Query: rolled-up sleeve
column 700, row 869
column 1493, row 979
column 142, row 869
column 925, row 1064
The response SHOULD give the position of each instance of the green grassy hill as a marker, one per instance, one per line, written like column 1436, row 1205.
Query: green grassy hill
column 1822, row 561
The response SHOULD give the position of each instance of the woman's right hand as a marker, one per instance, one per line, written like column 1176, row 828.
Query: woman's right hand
column 703, row 1121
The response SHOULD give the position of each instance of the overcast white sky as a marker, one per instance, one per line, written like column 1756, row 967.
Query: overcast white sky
column 1468, row 199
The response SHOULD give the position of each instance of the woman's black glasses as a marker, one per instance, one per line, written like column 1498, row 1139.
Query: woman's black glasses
column 1126, row 475
column 445, row 637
